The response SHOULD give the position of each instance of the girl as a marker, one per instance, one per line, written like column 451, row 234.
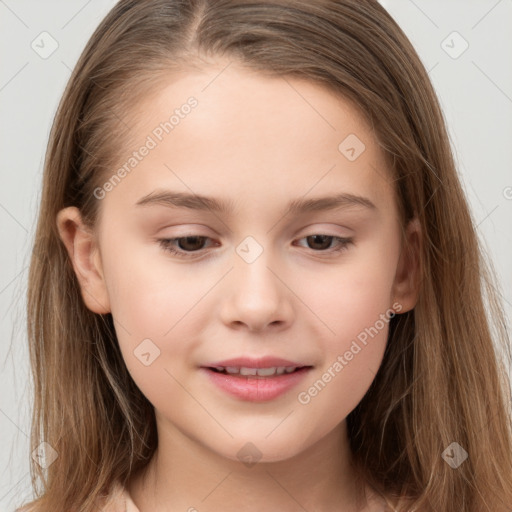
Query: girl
column 331, row 341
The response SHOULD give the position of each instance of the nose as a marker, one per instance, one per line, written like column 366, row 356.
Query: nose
column 255, row 296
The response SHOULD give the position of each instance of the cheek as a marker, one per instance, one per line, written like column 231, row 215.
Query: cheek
column 148, row 304
column 150, row 298
column 158, row 309
column 151, row 326
column 352, row 355
column 352, row 295
column 353, row 300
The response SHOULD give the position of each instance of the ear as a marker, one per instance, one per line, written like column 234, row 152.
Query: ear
column 84, row 254
column 407, row 278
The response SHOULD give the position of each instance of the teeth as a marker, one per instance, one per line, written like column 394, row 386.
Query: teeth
column 265, row 372
column 248, row 371
column 261, row 372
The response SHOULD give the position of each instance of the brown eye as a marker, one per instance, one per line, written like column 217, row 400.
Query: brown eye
column 191, row 243
column 320, row 242
column 184, row 246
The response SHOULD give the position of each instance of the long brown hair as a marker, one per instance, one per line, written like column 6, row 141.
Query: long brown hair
column 443, row 378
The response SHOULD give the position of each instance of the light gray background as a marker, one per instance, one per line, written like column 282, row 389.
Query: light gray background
column 475, row 90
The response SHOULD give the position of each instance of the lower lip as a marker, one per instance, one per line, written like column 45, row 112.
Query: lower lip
column 254, row 388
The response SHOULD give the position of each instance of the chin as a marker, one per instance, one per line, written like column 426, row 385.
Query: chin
column 259, row 451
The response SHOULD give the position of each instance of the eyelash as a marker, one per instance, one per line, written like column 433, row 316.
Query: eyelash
column 166, row 244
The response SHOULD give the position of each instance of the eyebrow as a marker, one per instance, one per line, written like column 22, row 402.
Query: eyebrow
column 297, row 206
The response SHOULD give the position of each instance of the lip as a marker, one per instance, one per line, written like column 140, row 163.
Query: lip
column 249, row 362
column 255, row 388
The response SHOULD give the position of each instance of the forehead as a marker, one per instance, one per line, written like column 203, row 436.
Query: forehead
column 249, row 134
column 238, row 96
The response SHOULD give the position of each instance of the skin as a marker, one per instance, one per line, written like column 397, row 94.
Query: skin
column 258, row 142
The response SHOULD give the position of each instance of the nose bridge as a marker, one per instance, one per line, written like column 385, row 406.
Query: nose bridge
column 255, row 295
column 252, row 275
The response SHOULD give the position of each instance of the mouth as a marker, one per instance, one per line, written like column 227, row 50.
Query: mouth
column 252, row 384
column 243, row 371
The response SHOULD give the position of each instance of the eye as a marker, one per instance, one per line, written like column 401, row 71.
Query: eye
column 186, row 244
column 323, row 242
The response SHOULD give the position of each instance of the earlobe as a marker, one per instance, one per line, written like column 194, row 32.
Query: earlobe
column 406, row 286
column 82, row 248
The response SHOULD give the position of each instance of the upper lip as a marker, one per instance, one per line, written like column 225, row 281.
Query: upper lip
column 248, row 362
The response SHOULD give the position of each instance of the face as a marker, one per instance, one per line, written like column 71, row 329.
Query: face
column 192, row 283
